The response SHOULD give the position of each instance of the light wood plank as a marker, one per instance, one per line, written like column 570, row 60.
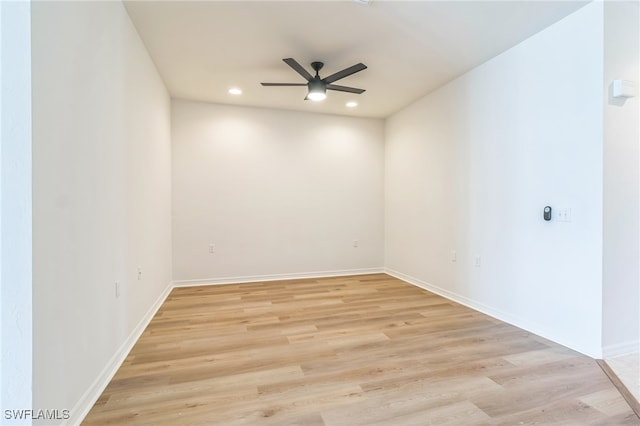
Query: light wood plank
column 362, row 350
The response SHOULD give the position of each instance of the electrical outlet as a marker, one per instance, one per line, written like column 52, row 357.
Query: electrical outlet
column 356, row 243
column 454, row 256
column 212, row 248
column 477, row 261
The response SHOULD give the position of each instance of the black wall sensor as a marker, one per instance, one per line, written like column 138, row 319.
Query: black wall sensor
column 547, row 213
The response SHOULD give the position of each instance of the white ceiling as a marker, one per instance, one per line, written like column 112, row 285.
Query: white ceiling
column 202, row 48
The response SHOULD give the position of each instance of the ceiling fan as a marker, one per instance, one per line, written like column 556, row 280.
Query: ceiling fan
column 318, row 86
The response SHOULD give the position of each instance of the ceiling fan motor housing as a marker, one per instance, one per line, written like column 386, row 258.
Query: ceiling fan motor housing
column 317, row 85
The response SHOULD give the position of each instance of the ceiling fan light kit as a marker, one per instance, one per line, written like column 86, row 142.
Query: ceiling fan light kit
column 317, row 91
column 317, row 87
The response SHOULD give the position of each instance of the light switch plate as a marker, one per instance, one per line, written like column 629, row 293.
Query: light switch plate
column 563, row 215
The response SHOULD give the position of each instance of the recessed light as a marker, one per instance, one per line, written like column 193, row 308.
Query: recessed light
column 351, row 104
column 235, row 91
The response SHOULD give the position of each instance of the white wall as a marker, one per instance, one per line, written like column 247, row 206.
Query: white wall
column 15, row 209
column 470, row 167
column 101, row 204
column 621, row 266
column 278, row 193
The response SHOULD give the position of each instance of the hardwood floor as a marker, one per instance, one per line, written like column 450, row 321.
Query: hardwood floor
column 628, row 393
column 362, row 350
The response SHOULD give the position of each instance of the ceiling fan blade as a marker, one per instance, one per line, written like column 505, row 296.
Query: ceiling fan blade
column 298, row 68
column 284, row 84
column 344, row 89
column 345, row 73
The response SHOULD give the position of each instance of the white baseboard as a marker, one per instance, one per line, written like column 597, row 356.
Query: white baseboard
column 492, row 312
column 86, row 402
column 276, row 277
column 620, row 349
column 89, row 398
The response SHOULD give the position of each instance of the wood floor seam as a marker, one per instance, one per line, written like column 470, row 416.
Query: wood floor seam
column 347, row 351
